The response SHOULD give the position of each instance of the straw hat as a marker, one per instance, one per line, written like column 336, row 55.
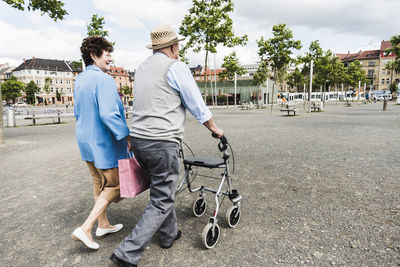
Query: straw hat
column 163, row 36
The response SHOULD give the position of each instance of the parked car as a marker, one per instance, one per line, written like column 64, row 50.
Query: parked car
column 20, row 105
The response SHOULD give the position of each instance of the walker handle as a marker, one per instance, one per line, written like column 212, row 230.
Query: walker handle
column 222, row 146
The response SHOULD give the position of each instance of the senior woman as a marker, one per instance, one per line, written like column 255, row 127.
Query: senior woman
column 102, row 134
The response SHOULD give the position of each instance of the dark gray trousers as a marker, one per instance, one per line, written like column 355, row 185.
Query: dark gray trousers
column 160, row 160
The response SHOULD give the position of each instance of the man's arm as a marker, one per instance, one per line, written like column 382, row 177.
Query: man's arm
column 180, row 79
column 212, row 126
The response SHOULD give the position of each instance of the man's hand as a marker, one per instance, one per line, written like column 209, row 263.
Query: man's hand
column 218, row 133
column 210, row 124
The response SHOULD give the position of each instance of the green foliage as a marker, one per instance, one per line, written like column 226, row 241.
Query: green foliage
column 126, row 90
column 231, row 66
column 53, row 8
column 77, row 64
column 278, row 49
column 207, row 25
column 329, row 70
column 393, row 87
column 296, row 79
column 95, row 27
column 395, row 49
column 355, row 73
column 30, row 90
column 261, row 74
column 314, row 53
column 12, row 88
column 58, row 95
column 47, row 82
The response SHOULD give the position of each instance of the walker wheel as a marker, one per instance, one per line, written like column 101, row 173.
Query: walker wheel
column 233, row 216
column 208, row 239
column 199, row 207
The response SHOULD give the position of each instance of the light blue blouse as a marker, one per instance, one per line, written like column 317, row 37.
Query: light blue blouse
column 100, row 121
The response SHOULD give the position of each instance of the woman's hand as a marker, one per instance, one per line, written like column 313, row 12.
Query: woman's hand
column 128, row 141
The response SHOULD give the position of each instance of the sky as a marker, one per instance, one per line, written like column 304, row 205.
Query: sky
column 339, row 25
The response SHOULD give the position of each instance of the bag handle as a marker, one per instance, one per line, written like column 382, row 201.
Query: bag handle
column 130, row 153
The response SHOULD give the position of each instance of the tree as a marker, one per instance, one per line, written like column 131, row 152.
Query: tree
column 277, row 51
column 12, row 88
column 231, row 66
column 395, row 50
column 328, row 71
column 95, row 27
column 30, row 90
column 208, row 25
column 53, row 8
column 47, row 82
column 261, row 74
column 392, row 67
column 355, row 74
column 296, row 79
column 58, row 95
column 126, row 91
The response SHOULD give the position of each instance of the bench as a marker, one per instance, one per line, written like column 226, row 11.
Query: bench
column 347, row 104
column 289, row 110
column 315, row 108
column 56, row 117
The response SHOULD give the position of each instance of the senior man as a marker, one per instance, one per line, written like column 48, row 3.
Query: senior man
column 164, row 89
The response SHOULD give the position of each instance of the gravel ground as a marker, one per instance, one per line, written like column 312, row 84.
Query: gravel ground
column 318, row 189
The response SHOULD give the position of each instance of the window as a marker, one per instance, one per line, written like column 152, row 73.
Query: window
column 52, row 90
column 383, row 72
column 69, row 90
column 383, row 81
column 68, row 81
column 37, row 72
column 388, row 81
column 371, row 63
column 371, row 72
column 60, row 81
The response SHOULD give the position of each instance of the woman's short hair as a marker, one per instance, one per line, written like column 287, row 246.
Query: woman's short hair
column 94, row 45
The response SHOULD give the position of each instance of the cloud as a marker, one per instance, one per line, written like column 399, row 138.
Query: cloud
column 74, row 22
column 340, row 16
column 45, row 42
column 136, row 14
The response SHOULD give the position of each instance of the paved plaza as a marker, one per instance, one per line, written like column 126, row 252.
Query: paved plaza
column 319, row 189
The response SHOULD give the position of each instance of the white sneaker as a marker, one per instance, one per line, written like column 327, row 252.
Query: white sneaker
column 78, row 234
column 105, row 231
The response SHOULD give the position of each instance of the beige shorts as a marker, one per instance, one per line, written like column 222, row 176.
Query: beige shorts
column 105, row 183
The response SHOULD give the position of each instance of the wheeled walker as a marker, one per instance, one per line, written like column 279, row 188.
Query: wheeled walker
column 212, row 232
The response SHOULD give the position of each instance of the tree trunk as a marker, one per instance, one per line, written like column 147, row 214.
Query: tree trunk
column 205, row 78
column 273, row 90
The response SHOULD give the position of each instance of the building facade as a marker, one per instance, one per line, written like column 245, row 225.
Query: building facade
column 374, row 63
column 55, row 78
column 5, row 72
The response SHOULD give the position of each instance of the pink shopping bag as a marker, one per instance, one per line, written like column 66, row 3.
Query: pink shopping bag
column 132, row 179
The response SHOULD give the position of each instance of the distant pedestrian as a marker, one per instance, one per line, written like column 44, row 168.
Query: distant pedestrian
column 164, row 89
column 101, row 132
